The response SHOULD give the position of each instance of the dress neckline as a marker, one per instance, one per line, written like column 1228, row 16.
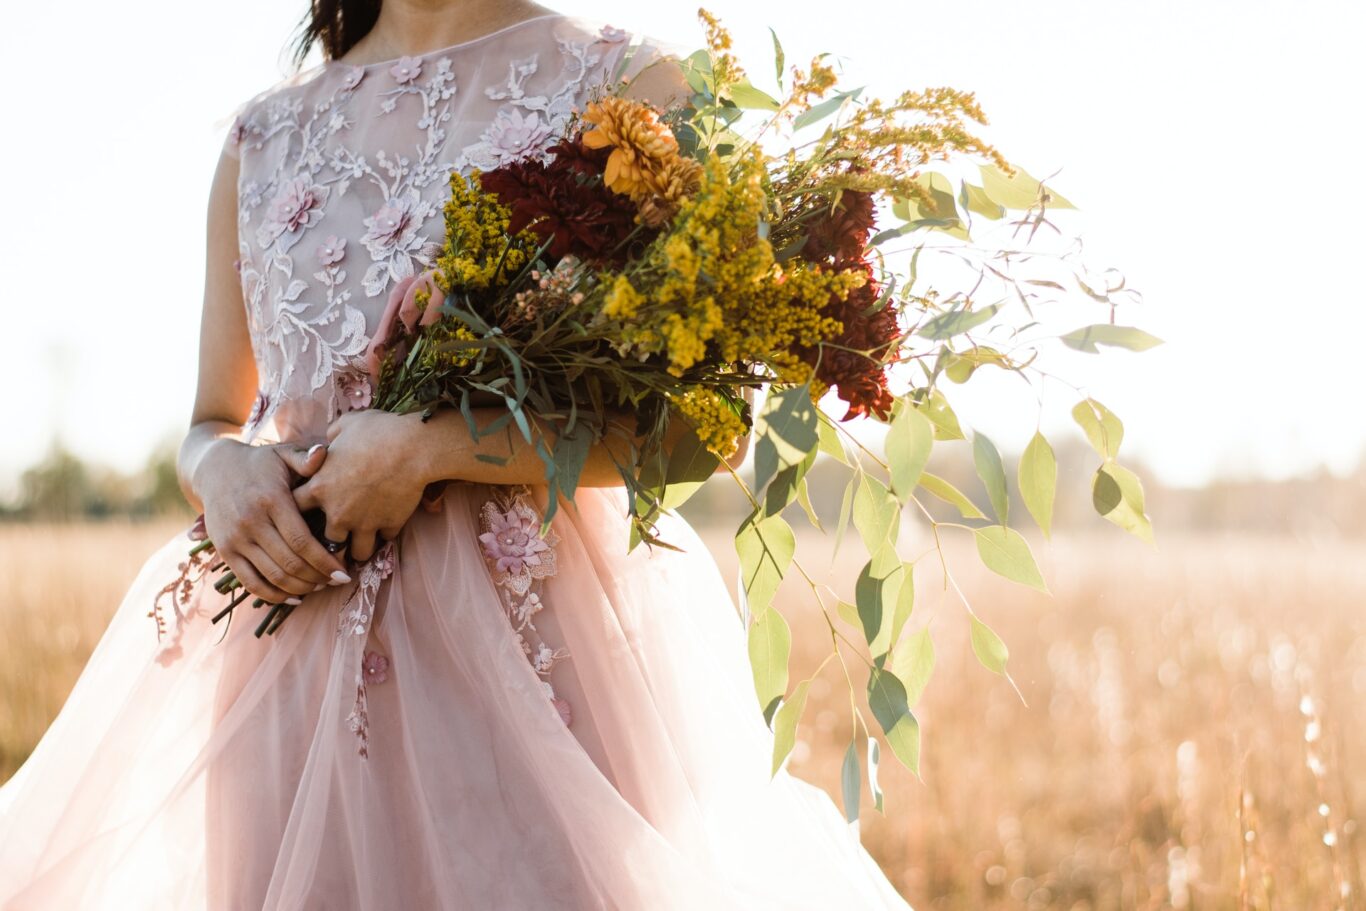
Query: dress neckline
column 344, row 64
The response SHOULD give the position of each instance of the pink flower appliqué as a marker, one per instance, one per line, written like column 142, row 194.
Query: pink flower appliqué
column 405, row 70
column 332, row 250
column 353, row 77
column 612, row 34
column 259, row 406
column 512, row 542
column 296, row 206
column 356, row 391
column 376, row 667
column 512, row 133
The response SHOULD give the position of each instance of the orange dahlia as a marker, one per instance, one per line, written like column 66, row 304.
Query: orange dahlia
column 641, row 145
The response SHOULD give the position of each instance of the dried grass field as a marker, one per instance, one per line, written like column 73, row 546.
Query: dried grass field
column 1191, row 733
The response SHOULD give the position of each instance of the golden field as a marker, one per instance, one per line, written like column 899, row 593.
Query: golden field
column 1191, row 734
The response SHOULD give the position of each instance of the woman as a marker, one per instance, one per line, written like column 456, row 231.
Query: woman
column 458, row 715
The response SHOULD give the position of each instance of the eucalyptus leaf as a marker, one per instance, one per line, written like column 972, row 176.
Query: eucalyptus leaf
column 909, row 439
column 779, row 58
column 786, row 486
column 976, row 199
column 1088, row 337
column 951, row 495
column 785, row 432
column 1020, row 192
column 824, row 109
column 765, row 547
column 851, row 789
column 745, row 95
column 804, row 500
column 875, row 595
column 1038, row 473
column 785, row 724
column 936, row 408
column 887, row 700
column 1117, row 494
column 1005, row 552
column 874, row 789
column 830, row 442
column 956, row 322
column 987, row 458
column 1103, row 430
column 770, row 643
column 912, row 660
column 691, row 464
column 988, row 647
column 876, row 513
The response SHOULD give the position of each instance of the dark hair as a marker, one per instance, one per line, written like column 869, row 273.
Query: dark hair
column 338, row 24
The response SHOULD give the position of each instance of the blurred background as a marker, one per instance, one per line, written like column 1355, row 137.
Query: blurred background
column 1190, row 733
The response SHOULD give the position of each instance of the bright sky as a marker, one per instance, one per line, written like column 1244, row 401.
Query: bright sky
column 1210, row 145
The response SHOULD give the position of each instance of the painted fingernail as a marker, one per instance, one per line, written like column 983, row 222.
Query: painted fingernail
column 294, row 601
column 340, row 578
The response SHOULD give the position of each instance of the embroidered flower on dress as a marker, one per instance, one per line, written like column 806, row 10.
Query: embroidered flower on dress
column 612, row 34
column 354, row 385
column 353, row 77
column 394, row 243
column 523, row 612
column 513, row 134
column 376, row 667
column 297, row 205
column 238, row 131
column 259, row 407
column 331, row 251
column 406, row 70
column 513, row 542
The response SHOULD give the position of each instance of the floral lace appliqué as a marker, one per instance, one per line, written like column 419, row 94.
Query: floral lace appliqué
column 519, row 556
column 357, row 614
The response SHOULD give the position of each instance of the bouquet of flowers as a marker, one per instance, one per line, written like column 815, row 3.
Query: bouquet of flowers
column 661, row 264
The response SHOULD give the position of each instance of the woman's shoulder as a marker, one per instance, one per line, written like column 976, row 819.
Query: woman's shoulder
column 252, row 116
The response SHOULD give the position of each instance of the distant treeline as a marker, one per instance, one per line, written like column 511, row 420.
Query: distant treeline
column 63, row 487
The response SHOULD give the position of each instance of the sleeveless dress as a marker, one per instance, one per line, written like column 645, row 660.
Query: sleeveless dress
column 474, row 723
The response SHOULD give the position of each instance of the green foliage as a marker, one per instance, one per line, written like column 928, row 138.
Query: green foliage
column 1038, row 472
column 887, row 700
column 785, row 724
column 993, row 474
column 1005, row 552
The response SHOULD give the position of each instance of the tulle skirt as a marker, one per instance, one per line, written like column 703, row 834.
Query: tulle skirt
column 575, row 729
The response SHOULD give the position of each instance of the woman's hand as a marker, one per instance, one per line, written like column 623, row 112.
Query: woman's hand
column 373, row 478
column 250, row 516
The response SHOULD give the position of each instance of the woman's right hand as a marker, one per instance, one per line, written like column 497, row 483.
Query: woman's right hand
column 255, row 526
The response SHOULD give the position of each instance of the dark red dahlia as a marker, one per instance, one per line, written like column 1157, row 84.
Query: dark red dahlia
column 843, row 233
column 838, row 239
column 565, row 197
column 860, row 378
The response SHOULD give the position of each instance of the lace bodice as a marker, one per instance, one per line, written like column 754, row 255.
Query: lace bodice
column 343, row 170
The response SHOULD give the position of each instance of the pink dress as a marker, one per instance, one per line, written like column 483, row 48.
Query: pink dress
column 569, row 728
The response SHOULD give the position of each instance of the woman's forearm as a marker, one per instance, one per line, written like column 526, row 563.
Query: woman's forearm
column 443, row 449
column 203, row 438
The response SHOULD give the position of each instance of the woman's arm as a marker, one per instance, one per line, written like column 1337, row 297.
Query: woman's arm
column 378, row 464
column 244, row 491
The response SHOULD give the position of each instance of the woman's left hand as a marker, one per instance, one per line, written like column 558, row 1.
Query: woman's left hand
column 371, row 482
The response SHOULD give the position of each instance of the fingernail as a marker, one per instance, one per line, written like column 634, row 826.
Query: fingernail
column 314, row 448
column 295, row 601
column 340, row 578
